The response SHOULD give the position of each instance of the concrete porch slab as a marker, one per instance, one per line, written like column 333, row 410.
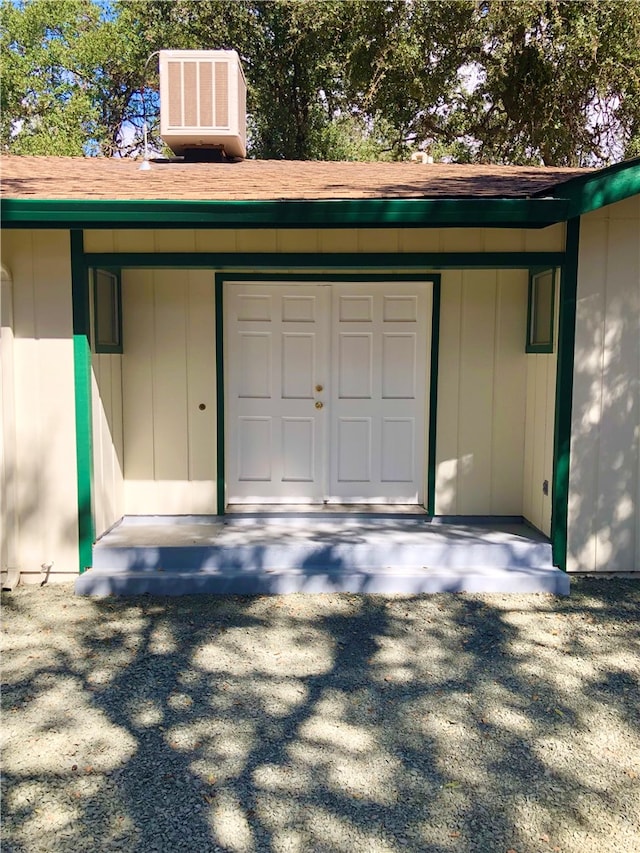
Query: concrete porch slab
column 271, row 553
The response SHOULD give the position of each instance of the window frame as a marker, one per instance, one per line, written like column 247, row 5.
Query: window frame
column 531, row 346
column 116, row 347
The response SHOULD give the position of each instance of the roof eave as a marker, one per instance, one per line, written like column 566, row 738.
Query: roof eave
column 593, row 191
column 289, row 213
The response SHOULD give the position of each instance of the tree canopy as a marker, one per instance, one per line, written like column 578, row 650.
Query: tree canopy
column 529, row 81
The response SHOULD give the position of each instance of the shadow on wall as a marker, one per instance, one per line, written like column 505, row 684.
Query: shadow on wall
column 319, row 723
column 604, row 506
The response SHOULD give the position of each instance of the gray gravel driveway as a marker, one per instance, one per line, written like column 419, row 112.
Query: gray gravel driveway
column 450, row 724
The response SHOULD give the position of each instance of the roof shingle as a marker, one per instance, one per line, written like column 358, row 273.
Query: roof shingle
column 88, row 178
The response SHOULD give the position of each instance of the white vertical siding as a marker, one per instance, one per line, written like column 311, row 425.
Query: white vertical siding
column 539, row 430
column 45, row 451
column 604, row 499
column 168, row 371
column 481, row 393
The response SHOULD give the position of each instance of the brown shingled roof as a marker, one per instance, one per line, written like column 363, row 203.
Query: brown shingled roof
column 101, row 178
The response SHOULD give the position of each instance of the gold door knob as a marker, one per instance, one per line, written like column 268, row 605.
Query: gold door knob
column 318, row 404
column 319, row 388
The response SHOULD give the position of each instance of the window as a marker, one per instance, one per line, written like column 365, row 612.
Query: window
column 107, row 310
column 542, row 293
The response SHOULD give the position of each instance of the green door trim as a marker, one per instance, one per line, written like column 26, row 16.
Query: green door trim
column 221, row 278
column 433, row 397
column 82, row 389
column 221, row 484
column 564, row 396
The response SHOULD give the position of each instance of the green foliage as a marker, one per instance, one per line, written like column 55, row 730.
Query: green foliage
column 528, row 81
column 561, row 81
column 67, row 79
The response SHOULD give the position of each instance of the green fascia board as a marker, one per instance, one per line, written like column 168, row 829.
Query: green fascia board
column 338, row 213
column 606, row 186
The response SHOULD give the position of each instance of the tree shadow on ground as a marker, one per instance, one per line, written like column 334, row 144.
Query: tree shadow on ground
column 325, row 723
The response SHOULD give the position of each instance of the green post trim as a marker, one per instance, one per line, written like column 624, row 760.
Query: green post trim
column 220, row 415
column 433, row 397
column 564, row 395
column 82, row 383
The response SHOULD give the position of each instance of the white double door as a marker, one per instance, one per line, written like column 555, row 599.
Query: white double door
column 326, row 392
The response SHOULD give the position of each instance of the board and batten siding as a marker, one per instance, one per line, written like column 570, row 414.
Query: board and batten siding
column 42, row 464
column 168, row 373
column 319, row 240
column 604, row 478
column 108, row 446
column 540, row 429
column 8, row 501
column 481, row 393
column 482, row 400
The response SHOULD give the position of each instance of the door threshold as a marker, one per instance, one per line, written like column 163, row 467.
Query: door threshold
column 326, row 509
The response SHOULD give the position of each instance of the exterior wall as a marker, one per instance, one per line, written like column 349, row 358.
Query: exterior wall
column 539, row 430
column 168, row 371
column 481, row 393
column 169, row 368
column 108, row 447
column 604, row 479
column 549, row 239
column 43, row 468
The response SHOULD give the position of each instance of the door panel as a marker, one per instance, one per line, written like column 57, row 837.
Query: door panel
column 381, row 345
column 277, row 353
column 327, row 390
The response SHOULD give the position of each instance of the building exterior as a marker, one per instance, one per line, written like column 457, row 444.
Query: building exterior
column 463, row 338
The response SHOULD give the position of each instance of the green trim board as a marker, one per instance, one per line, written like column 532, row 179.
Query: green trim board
column 564, row 396
column 221, row 483
column 534, row 344
column 83, row 413
column 289, row 213
column 434, row 278
column 433, row 397
column 236, row 261
column 594, row 190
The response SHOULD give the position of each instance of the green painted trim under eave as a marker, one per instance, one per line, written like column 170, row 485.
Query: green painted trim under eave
column 221, row 486
column 83, row 414
column 564, row 396
column 316, row 260
column 433, row 398
column 288, row 213
column 605, row 186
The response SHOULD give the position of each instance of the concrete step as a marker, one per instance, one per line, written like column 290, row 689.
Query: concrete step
column 278, row 555
column 408, row 581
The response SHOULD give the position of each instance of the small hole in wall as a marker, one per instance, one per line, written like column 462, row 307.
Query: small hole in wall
column 202, row 407
column 545, row 487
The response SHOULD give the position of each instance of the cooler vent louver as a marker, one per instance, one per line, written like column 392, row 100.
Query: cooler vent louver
column 202, row 101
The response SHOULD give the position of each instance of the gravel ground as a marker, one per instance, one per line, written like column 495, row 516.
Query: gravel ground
column 322, row 723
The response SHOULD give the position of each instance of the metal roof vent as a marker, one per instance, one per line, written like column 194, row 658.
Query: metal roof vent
column 203, row 96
